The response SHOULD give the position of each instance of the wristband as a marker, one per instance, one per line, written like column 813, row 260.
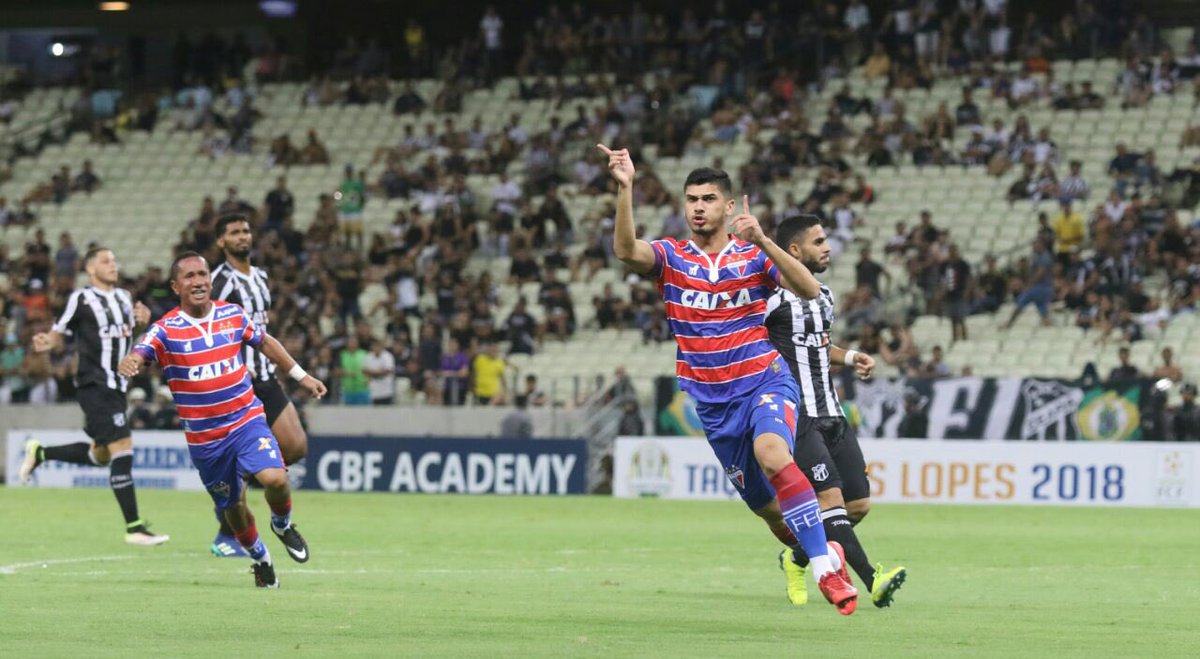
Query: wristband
column 297, row 372
column 848, row 360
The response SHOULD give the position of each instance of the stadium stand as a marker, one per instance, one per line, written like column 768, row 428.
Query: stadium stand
column 865, row 146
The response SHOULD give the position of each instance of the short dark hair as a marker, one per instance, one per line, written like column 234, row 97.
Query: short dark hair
column 793, row 227
column 92, row 253
column 225, row 220
column 706, row 175
column 183, row 256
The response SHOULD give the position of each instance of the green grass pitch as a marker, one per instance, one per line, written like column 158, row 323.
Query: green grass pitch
column 466, row 576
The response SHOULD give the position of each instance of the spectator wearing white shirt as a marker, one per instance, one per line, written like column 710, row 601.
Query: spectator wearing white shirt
column 857, row 19
column 1045, row 151
column 380, row 368
column 492, row 28
column 1154, row 320
column 997, row 137
column 505, row 195
column 1115, row 207
column 1024, row 89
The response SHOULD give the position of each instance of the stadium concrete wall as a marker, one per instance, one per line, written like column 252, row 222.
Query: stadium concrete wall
column 333, row 420
column 925, row 471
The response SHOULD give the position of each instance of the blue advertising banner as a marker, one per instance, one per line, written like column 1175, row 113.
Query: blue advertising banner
column 444, row 465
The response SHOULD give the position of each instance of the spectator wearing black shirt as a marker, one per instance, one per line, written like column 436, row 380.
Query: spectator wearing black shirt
column 610, row 309
column 1126, row 373
column 555, row 299
column 279, row 204
column 1122, row 166
column 956, row 283
column 86, row 181
column 967, row 112
column 915, row 422
column 37, row 257
column 925, row 233
column 867, row 273
column 524, row 269
column 521, row 329
column 556, row 258
column 409, row 101
column 1185, row 423
column 1088, row 99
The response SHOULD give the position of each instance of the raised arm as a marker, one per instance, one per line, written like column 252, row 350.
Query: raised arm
column 48, row 340
column 635, row 253
column 864, row 364
column 278, row 355
column 793, row 275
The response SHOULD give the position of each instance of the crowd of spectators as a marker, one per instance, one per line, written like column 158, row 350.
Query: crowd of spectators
column 350, row 304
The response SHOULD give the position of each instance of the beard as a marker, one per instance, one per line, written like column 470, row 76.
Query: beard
column 814, row 266
column 241, row 254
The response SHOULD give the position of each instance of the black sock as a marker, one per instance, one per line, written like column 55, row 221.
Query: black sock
column 799, row 557
column 120, row 477
column 226, row 529
column 839, row 529
column 79, row 453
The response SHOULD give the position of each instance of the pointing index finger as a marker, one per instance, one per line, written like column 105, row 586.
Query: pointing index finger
column 745, row 204
column 607, row 151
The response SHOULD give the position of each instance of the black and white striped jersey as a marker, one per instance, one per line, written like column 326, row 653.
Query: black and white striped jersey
column 799, row 330
column 102, row 326
column 254, row 295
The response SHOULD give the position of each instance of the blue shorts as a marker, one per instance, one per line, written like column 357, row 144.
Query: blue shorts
column 731, row 428
column 245, row 451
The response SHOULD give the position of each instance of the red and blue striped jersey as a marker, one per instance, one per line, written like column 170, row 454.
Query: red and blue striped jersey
column 716, row 307
column 202, row 362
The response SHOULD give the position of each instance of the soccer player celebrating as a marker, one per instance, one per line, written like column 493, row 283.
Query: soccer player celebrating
column 199, row 346
column 236, row 280
column 715, row 287
column 102, row 318
column 827, row 448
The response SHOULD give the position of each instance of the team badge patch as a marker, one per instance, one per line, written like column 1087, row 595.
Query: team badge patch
column 119, row 419
column 820, row 472
column 220, row 487
column 735, row 476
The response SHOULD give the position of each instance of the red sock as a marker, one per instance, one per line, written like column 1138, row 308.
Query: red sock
column 281, row 509
column 792, row 486
column 801, row 514
column 247, row 536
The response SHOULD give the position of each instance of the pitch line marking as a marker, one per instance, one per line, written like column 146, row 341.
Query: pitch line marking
column 13, row 567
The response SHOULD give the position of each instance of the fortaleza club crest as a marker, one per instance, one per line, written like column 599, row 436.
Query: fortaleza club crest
column 220, row 487
column 735, row 476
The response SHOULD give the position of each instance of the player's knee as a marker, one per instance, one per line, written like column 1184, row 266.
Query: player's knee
column 830, row 498
column 274, row 479
column 293, row 455
column 856, row 510
column 294, row 448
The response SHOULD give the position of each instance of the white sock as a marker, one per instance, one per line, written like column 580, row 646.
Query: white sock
column 821, row 565
column 833, row 559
